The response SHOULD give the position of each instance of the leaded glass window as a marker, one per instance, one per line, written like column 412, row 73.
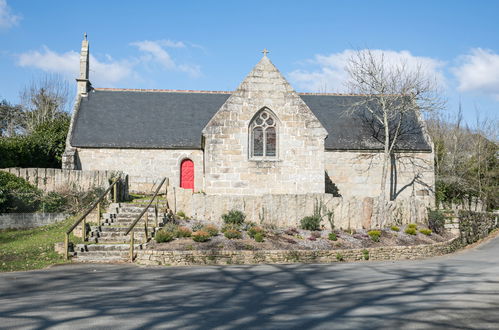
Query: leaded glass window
column 263, row 136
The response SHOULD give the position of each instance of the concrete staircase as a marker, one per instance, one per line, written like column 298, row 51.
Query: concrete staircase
column 108, row 243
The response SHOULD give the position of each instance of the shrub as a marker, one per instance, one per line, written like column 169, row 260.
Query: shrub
column 42, row 148
column 234, row 217
column 171, row 227
column 184, row 232
column 365, row 253
column 411, row 231
column 412, row 225
column 200, row 236
column 425, row 231
column 374, row 235
column 255, row 230
column 258, row 237
column 332, row 237
column 436, row 221
column 233, row 234
column 211, row 229
column 181, row 214
column 339, row 257
column 395, row 228
column 53, row 202
column 17, row 194
column 197, row 226
column 311, row 222
column 164, row 236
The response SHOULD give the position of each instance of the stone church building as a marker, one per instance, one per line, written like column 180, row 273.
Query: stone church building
column 263, row 138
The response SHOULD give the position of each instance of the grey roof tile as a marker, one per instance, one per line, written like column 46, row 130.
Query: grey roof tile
column 152, row 119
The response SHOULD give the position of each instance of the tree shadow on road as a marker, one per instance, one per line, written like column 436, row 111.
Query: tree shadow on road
column 360, row 296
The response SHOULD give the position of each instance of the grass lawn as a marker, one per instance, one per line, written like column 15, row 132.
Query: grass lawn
column 32, row 248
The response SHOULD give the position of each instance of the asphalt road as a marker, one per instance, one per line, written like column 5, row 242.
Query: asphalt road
column 459, row 291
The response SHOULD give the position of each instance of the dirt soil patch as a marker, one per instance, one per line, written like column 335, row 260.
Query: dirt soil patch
column 299, row 239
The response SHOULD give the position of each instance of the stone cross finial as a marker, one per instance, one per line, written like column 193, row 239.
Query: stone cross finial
column 265, row 52
column 85, row 36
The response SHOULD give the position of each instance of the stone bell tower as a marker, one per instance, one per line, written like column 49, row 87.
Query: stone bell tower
column 83, row 82
column 83, row 86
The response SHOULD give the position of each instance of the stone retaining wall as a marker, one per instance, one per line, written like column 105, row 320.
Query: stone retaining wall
column 185, row 258
column 288, row 209
column 29, row 220
column 476, row 225
column 54, row 179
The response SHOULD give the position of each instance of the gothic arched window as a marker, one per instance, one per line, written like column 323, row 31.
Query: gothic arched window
column 263, row 137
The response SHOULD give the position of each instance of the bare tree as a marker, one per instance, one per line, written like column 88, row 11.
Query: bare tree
column 392, row 93
column 11, row 119
column 44, row 100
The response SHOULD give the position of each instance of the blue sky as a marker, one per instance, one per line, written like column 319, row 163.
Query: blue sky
column 212, row 45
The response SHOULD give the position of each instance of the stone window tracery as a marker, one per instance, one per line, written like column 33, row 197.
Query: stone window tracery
column 263, row 140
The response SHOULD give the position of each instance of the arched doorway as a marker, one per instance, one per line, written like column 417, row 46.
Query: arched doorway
column 187, row 174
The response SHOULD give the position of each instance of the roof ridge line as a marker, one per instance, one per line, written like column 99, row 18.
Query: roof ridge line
column 160, row 90
column 206, row 91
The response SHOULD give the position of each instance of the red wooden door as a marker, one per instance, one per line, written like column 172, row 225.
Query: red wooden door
column 187, row 174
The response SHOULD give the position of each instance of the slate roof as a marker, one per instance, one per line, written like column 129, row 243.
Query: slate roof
column 175, row 119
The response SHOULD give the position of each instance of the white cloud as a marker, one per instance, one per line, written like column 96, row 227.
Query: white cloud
column 478, row 71
column 331, row 76
column 7, row 19
column 103, row 73
column 154, row 52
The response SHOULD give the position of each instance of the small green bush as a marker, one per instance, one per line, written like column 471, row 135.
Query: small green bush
column 17, row 194
column 411, row 231
column 255, row 230
column 183, row 232
column 412, row 225
column 311, row 222
column 197, row 226
column 181, row 215
column 339, row 257
column 233, row 234
column 395, row 228
column 171, row 227
column 258, row 237
column 425, row 231
column 332, row 237
column 163, row 236
column 200, row 236
column 365, row 254
column 211, row 229
column 53, row 202
column 374, row 235
column 436, row 221
column 234, row 217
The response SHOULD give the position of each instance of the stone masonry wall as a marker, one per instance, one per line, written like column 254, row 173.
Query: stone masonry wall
column 29, row 220
column 359, row 174
column 145, row 167
column 53, row 179
column 184, row 258
column 288, row 209
column 299, row 165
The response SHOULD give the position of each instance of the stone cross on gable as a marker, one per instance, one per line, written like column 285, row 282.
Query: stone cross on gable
column 265, row 52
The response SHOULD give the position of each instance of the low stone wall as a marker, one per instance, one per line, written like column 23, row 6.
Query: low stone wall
column 476, row 225
column 185, row 258
column 29, row 220
column 54, row 179
column 287, row 210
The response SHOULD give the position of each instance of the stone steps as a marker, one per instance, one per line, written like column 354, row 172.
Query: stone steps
column 79, row 248
column 109, row 242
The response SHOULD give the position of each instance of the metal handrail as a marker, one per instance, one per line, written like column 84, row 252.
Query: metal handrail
column 132, row 239
column 146, row 208
column 87, row 212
